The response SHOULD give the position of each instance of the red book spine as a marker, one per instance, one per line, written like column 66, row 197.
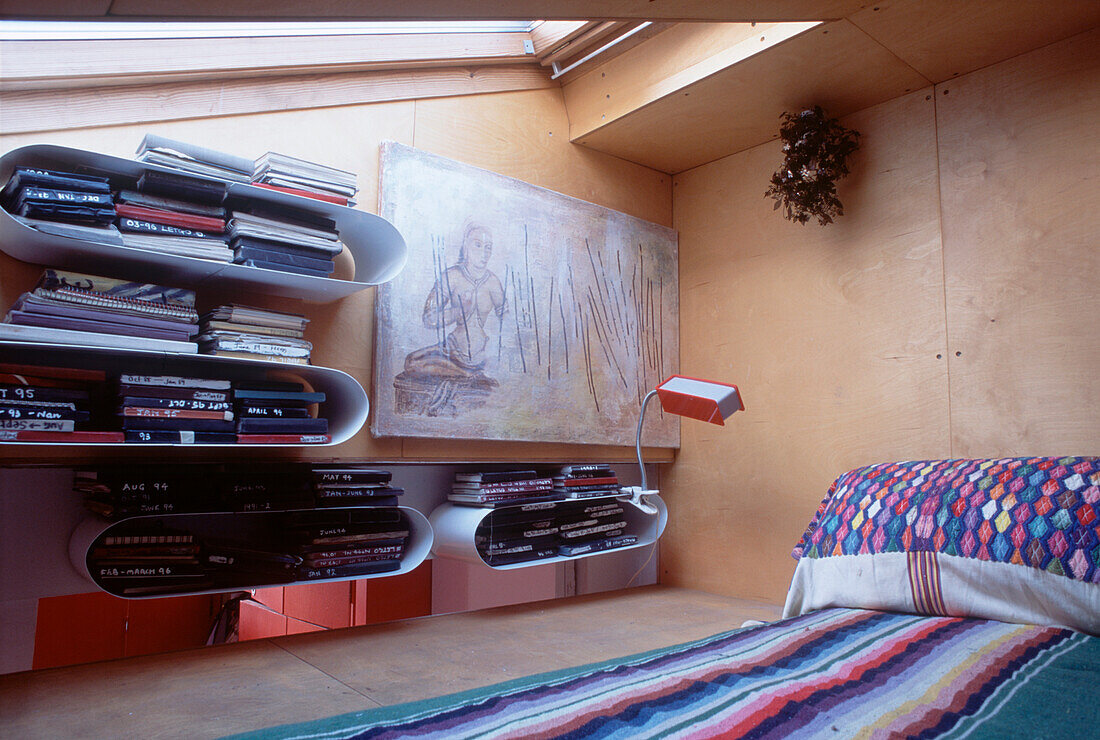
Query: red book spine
column 506, row 495
column 42, row 382
column 337, row 199
column 534, row 484
column 590, row 481
column 156, row 413
column 47, row 371
column 172, row 218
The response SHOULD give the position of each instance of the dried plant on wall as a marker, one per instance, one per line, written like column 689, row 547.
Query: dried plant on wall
column 816, row 151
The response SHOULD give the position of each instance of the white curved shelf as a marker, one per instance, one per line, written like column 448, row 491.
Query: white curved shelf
column 345, row 405
column 454, row 528
column 376, row 247
column 93, row 527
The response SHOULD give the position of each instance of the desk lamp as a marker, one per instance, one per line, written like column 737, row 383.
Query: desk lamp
column 705, row 400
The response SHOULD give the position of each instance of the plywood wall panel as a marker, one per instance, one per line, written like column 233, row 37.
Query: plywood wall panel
column 942, row 39
column 1019, row 153
column 67, row 108
column 832, row 335
column 526, row 135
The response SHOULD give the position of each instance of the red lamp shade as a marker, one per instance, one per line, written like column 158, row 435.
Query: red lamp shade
column 704, row 400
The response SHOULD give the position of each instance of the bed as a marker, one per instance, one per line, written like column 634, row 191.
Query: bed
column 937, row 599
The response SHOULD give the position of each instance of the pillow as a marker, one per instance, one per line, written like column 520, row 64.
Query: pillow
column 1017, row 540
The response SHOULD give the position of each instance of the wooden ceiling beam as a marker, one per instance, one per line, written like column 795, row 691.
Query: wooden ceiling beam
column 53, row 64
column 51, row 110
column 549, row 35
column 404, row 10
column 581, row 43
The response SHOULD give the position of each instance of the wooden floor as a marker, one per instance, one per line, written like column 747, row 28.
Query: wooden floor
column 245, row 686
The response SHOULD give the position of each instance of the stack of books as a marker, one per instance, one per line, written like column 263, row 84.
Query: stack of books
column 286, row 241
column 93, row 311
column 254, row 334
column 342, row 543
column 586, row 481
column 501, row 488
column 40, row 403
column 235, row 563
column 117, row 492
column 270, row 488
column 538, row 531
column 44, row 196
column 592, row 526
column 147, row 559
column 174, row 214
column 278, row 412
column 350, row 485
column 175, row 409
column 167, row 225
column 120, row 492
column 300, row 177
column 518, row 534
column 272, row 170
column 199, row 160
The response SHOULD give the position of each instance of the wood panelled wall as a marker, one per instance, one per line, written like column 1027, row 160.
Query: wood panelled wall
column 519, row 134
column 952, row 312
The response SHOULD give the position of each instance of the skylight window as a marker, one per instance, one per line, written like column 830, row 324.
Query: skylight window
column 109, row 30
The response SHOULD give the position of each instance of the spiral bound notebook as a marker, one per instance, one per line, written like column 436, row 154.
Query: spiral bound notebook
column 118, row 303
column 117, row 287
column 124, row 296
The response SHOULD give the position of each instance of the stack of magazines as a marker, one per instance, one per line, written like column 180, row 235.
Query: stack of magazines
column 191, row 158
column 289, row 174
column 255, row 334
column 93, row 311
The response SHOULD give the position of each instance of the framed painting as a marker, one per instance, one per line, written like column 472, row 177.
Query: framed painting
column 522, row 314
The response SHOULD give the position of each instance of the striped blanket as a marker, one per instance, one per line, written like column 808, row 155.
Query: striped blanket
column 836, row 673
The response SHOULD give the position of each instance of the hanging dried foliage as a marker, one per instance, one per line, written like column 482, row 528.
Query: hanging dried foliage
column 816, row 151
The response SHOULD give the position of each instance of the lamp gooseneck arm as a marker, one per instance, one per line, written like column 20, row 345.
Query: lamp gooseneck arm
column 638, row 442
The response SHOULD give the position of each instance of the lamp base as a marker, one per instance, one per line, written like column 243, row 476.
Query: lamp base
column 636, row 495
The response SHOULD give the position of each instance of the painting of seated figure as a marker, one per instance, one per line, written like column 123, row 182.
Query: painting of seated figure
column 448, row 376
column 523, row 314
